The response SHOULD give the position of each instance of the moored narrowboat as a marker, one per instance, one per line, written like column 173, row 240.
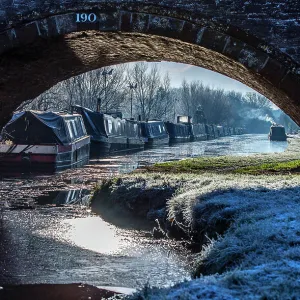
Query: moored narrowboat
column 154, row 133
column 108, row 133
column 178, row 132
column 277, row 133
column 195, row 132
column 134, row 136
column 226, row 131
column 216, row 131
column 220, row 130
column 209, row 131
column 44, row 141
column 198, row 132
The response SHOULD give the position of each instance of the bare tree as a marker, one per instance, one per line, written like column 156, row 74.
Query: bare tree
column 84, row 90
column 153, row 92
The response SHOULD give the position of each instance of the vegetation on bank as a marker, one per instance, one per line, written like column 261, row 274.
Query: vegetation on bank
column 245, row 228
column 288, row 161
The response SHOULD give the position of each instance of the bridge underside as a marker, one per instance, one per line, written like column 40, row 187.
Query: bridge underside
column 37, row 54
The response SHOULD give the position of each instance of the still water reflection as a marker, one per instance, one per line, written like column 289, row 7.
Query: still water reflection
column 235, row 145
column 61, row 241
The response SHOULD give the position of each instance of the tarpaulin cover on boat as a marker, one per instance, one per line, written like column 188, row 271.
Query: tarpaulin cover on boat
column 36, row 128
column 93, row 121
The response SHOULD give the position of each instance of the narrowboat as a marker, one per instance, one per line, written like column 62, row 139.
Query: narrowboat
column 277, row 133
column 154, row 133
column 108, row 133
column 220, row 130
column 180, row 131
column 44, row 141
column 216, row 131
column 209, row 131
column 226, row 131
column 198, row 132
column 134, row 135
column 200, row 129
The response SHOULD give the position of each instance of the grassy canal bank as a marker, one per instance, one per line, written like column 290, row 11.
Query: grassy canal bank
column 240, row 215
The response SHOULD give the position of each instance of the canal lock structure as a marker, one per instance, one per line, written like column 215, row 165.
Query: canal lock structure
column 49, row 234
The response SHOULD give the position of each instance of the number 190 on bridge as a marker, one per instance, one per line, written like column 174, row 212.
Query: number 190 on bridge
column 86, row 18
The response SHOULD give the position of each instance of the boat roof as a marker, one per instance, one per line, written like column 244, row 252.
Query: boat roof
column 36, row 127
column 276, row 125
column 41, row 112
column 152, row 121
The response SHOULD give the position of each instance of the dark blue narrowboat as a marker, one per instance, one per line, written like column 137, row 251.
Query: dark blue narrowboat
column 225, row 131
column 34, row 141
column 220, row 130
column 154, row 133
column 216, row 131
column 199, row 128
column 277, row 133
column 209, row 131
column 178, row 132
column 198, row 132
column 134, row 135
column 108, row 133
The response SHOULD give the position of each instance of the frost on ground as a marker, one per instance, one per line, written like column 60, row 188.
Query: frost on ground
column 247, row 228
column 256, row 255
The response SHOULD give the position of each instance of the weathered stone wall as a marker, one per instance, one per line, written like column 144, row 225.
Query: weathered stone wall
column 275, row 22
column 255, row 42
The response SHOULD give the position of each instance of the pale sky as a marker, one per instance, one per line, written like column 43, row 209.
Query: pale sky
column 179, row 71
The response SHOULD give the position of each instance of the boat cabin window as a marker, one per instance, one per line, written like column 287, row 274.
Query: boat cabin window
column 74, row 128
column 70, row 130
column 82, row 127
column 109, row 126
column 77, row 122
column 119, row 129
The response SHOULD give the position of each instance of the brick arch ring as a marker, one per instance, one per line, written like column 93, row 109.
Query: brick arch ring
column 39, row 52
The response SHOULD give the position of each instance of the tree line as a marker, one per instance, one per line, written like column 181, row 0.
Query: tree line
column 153, row 97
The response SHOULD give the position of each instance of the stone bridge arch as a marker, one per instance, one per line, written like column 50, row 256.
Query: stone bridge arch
column 253, row 42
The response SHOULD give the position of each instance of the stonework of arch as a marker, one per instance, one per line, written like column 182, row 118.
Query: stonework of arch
column 255, row 43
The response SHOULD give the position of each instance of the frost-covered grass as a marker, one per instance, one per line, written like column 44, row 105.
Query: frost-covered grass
column 288, row 161
column 246, row 226
column 257, row 256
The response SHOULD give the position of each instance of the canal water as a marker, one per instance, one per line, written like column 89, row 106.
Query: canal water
column 48, row 234
column 235, row 145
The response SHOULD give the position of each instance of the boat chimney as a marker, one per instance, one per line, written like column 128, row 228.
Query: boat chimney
column 139, row 118
column 98, row 104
